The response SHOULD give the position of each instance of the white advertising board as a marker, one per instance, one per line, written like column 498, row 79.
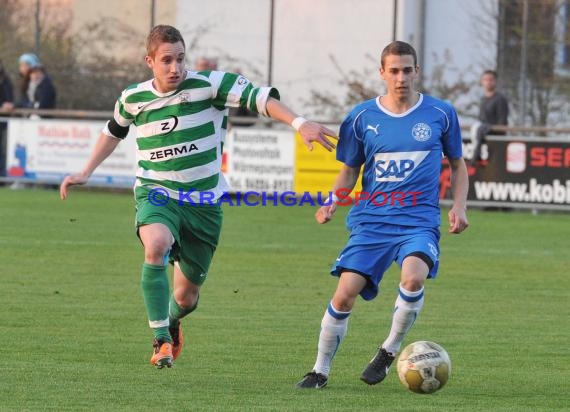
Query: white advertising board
column 260, row 160
column 45, row 150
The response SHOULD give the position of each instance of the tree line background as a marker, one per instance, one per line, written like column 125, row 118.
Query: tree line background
column 85, row 76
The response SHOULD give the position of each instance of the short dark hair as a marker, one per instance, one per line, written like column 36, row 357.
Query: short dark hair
column 491, row 72
column 162, row 34
column 398, row 48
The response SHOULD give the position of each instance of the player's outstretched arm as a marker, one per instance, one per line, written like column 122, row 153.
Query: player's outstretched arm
column 460, row 186
column 103, row 148
column 345, row 182
column 309, row 131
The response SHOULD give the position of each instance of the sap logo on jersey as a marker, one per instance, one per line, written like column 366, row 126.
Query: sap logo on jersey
column 396, row 166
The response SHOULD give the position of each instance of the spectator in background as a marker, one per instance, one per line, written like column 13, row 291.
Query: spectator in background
column 37, row 89
column 493, row 111
column 6, row 105
column 204, row 63
column 6, row 91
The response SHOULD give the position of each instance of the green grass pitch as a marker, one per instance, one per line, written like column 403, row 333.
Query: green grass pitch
column 74, row 334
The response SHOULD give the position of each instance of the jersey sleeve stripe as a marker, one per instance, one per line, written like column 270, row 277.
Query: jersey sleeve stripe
column 354, row 125
column 245, row 95
column 446, row 118
column 122, row 117
column 237, row 92
column 261, row 97
column 251, row 100
column 223, row 96
column 215, row 78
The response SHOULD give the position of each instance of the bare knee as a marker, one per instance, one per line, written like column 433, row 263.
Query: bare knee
column 349, row 286
column 184, row 291
column 155, row 250
column 157, row 241
column 414, row 273
column 343, row 301
column 186, row 298
column 413, row 284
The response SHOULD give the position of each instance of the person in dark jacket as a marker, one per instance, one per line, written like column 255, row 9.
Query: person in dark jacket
column 6, row 105
column 37, row 89
column 6, row 90
column 493, row 111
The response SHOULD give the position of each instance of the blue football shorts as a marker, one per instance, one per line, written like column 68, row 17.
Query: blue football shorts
column 373, row 247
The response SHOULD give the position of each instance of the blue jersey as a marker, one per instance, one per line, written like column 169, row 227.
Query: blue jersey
column 401, row 154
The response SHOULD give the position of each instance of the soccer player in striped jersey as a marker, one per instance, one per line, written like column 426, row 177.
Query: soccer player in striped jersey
column 399, row 138
column 180, row 121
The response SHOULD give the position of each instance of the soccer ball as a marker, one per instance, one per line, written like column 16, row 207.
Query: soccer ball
column 424, row 367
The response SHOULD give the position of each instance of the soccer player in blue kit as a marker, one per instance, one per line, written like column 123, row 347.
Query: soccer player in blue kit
column 399, row 138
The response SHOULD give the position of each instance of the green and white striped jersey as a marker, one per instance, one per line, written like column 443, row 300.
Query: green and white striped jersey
column 180, row 133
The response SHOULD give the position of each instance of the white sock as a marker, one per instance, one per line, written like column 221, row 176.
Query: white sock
column 408, row 306
column 333, row 329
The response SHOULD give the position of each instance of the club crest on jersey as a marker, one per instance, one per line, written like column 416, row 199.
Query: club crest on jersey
column 421, row 132
column 184, row 98
column 396, row 166
column 241, row 83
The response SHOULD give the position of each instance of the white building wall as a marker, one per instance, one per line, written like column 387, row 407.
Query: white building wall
column 308, row 32
column 466, row 30
column 226, row 28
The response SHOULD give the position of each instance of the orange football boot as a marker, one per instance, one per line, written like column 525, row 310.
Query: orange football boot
column 162, row 354
column 177, row 340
